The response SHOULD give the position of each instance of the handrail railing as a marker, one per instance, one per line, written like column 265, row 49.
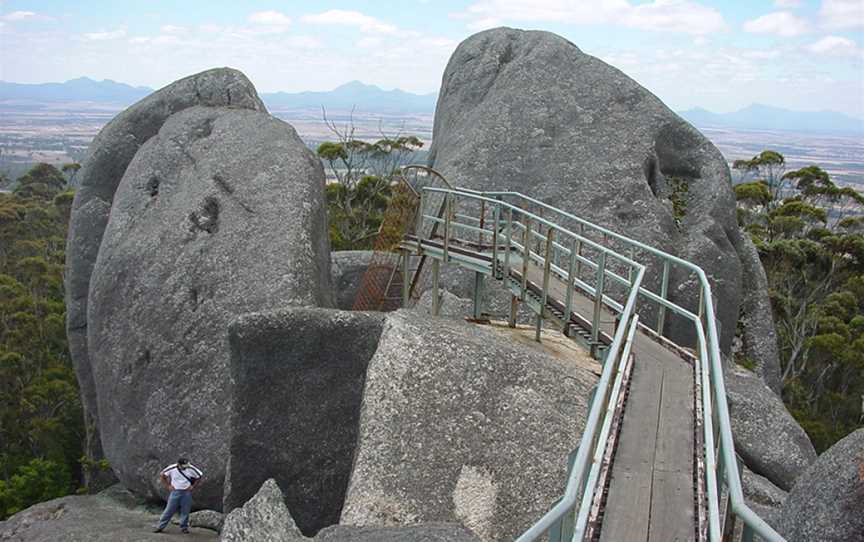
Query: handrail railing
column 721, row 465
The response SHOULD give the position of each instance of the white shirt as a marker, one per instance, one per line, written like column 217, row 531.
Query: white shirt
column 178, row 481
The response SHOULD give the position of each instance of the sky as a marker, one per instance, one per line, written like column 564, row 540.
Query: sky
column 722, row 56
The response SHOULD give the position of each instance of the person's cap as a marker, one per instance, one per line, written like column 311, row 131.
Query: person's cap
column 182, row 461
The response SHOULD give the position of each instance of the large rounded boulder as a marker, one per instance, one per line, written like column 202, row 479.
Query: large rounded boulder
column 222, row 212
column 528, row 111
column 464, row 423
column 827, row 502
column 108, row 156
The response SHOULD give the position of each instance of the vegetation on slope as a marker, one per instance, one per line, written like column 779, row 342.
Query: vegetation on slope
column 810, row 236
column 41, row 424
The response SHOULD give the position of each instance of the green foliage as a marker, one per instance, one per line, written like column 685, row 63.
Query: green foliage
column 813, row 256
column 747, row 363
column 41, row 182
column 364, row 176
column 38, row 480
column 41, row 425
column 678, row 197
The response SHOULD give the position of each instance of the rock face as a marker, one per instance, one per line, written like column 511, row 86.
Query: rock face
column 348, row 267
column 91, row 518
column 827, row 502
column 264, row 518
column 757, row 319
column 761, row 495
column 452, row 307
column 108, row 156
column 426, row 532
column 528, row 111
column 458, row 425
column 766, row 436
column 221, row 213
column 298, row 384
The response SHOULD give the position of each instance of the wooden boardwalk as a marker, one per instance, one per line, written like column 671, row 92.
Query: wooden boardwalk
column 651, row 494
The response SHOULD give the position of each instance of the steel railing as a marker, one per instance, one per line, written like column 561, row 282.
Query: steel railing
column 514, row 227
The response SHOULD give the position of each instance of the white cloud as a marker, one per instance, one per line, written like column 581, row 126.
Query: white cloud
column 675, row 16
column 787, row 4
column 273, row 18
column 156, row 40
column 172, row 29
column 841, row 14
column 835, row 46
column 18, row 16
column 351, row 18
column 779, row 23
column 661, row 15
column 104, row 36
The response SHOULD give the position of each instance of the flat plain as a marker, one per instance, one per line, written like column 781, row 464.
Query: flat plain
column 60, row 133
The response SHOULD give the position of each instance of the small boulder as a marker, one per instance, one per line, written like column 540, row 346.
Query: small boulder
column 827, row 502
column 462, row 425
column 207, row 519
column 264, row 518
column 767, row 437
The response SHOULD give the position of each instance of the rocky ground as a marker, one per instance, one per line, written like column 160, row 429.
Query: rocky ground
column 114, row 515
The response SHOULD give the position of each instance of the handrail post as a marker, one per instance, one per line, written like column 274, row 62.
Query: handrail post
column 419, row 228
column 495, row 217
column 630, row 267
column 598, row 299
column 509, row 247
column 482, row 223
column 571, row 284
column 436, row 295
column 547, row 268
column 526, row 255
column 447, row 217
column 478, row 294
column 579, row 249
column 664, row 290
column 406, row 278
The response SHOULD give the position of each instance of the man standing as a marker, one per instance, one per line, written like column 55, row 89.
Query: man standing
column 180, row 479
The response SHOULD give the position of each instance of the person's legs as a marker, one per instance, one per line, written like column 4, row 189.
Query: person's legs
column 170, row 508
column 185, row 508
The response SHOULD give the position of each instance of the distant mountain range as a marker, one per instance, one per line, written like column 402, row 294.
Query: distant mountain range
column 371, row 99
column 366, row 98
column 82, row 89
column 766, row 117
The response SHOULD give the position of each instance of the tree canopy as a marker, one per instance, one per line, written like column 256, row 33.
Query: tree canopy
column 811, row 244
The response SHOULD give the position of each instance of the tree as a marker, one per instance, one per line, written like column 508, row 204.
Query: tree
column 41, row 422
column 364, row 174
column 768, row 167
column 42, row 182
column 809, row 235
column 71, row 170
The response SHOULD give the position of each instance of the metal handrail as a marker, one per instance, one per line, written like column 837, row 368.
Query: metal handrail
column 711, row 373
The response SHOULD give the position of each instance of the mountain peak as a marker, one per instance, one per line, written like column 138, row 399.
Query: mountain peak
column 355, row 86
